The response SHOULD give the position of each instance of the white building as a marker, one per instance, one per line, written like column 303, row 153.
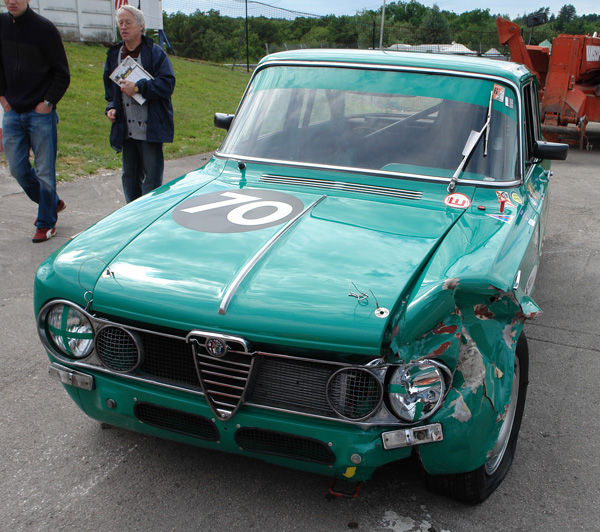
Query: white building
column 93, row 20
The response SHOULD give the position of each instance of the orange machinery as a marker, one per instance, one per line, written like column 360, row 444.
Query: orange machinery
column 569, row 80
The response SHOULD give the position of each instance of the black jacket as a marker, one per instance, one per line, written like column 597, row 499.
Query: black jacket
column 33, row 62
column 157, row 92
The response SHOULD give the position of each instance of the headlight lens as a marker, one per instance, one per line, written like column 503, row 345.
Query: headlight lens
column 69, row 331
column 416, row 390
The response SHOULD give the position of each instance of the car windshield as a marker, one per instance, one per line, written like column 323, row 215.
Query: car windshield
column 391, row 121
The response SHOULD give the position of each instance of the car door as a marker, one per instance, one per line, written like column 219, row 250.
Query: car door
column 534, row 194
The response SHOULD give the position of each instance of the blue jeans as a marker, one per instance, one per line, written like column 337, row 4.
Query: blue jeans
column 143, row 167
column 20, row 133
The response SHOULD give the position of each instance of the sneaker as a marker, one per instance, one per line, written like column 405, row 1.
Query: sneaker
column 43, row 234
column 59, row 208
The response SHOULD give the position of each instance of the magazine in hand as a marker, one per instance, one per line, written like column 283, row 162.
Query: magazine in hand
column 130, row 70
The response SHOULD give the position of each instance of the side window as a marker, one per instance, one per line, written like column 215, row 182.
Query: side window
column 531, row 115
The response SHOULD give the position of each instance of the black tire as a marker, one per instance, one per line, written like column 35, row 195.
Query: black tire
column 476, row 486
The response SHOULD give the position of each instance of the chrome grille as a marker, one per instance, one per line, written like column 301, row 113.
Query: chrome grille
column 233, row 376
column 291, row 384
column 223, row 377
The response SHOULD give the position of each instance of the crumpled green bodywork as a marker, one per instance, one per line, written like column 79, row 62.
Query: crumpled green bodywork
column 471, row 321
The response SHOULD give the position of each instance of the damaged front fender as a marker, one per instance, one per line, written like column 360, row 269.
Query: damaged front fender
column 467, row 310
column 477, row 341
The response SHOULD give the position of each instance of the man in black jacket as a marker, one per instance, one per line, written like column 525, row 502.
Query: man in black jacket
column 34, row 76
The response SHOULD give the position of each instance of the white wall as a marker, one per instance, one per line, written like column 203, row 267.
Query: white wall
column 80, row 20
column 152, row 10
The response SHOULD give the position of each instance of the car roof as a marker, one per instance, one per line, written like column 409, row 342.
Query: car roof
column 426, row 60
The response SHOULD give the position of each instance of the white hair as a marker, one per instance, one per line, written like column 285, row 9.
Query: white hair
column 139, row 16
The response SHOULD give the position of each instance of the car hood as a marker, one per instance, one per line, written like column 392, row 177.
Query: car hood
column 322, row 282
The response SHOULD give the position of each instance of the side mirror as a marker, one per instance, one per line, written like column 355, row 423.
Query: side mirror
column 537, row 19
column 223, row 121
column 554, row 151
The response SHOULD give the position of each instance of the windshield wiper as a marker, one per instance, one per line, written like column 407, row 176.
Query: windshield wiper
column 471, row 144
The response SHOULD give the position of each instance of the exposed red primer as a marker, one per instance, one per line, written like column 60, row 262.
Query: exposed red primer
column 483, row 312
column 445, row 329
column 440, row 350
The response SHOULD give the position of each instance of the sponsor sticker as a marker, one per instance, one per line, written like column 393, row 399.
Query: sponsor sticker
column 237, row 211
column 498, row 92
column 531, row 281
column 533, row 202
column 532, row 191
column 592, row 52
column 526, row 217
column 503, row 199
column 516, row 198
column 506, row 218
column 457, row 200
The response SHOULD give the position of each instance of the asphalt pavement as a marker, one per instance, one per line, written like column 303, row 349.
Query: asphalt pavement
column 61, row 471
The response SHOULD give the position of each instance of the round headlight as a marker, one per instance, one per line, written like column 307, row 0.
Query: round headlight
column 69, row 331
column 416, row 390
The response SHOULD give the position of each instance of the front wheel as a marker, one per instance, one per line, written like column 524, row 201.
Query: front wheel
column 476, row 486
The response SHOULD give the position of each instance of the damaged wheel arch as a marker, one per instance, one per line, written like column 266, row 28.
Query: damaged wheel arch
column 475, row 486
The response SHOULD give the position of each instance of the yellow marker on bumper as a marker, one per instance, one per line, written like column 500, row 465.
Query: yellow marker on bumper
column 350, row 472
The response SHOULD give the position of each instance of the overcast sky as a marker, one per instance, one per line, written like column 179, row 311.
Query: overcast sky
column 236, row 8
column 513, row 8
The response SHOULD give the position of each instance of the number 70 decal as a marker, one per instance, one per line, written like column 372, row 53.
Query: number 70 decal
column 237, row 211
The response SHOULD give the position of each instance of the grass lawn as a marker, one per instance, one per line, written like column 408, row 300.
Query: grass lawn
column 201, row 90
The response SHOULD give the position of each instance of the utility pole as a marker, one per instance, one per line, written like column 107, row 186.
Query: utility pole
column 247, row 47
column 381, row 32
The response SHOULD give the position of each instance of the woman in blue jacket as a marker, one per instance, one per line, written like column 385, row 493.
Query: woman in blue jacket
column 139, row 131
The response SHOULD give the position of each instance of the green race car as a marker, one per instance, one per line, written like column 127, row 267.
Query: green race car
column 343, row 285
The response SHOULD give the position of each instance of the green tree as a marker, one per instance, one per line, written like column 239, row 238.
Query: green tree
column 343, row 31
column 434, row 29
column 476, row 29
column 566, row 14
column 412, row 13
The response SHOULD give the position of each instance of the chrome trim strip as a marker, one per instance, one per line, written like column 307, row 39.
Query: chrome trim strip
column 382, row 419
column 233, row 370
column 363, row 171
column 231, row 290
column 342, row 185
column 196, row 333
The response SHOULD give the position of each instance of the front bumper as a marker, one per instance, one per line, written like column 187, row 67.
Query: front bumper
column 321, row 446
